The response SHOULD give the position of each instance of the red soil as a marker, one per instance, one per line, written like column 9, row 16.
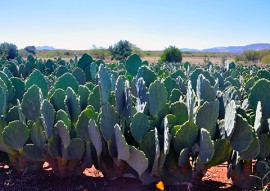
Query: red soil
column 214, row 179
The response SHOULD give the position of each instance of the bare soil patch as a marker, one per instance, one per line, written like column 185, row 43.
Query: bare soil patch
column 92, row 180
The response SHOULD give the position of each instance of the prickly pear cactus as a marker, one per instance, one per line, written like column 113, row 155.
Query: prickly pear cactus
column 133, row 64
column 147, row 74
column 157, row 97
column 207, row 120
column 205, row 92
column 261, row 92
column 31, row 103
column 139, row 126
column 65, row 81
column 85, row 61
column 38, row 79
column 104, row 82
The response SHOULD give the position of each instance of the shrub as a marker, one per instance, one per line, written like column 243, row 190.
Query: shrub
column 8, row 50
column 121, row 50
column 266, row 59
column 31, row 49
column 171, row 54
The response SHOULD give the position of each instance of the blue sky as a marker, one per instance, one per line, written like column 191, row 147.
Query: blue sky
column 149, row 24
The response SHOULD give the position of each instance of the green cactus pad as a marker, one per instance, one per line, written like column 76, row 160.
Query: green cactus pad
column 150, row 146
column 63, row 116
column 93, row 71
column 104, row 83
column 183, row 157
column 178, row 73
column 65, row 81
column 205, row 92
column 83, row 92
column 94, row 99
column 207, row 149
column 121, row 144
column 141, row 94
column 85, row 61
column 253, row 149
column 261, row 92
column 13, row 114
column 222, row 153
column 73, row 105
column 49, row 67
column 120, row 95
column 47, row 114
column 54, row 146
column 258, row 119
column 157, row 153
column 38, row 135
column 11, row 132
column 170, row 84
column 207, row 116
column 80, row 76
column 27, row 69
column 82, row 123
column 175, row 95
column 31, row 103
column 62, row 131
column 230, row 119
column 19, row 88
column 133, row 64
column 157, row 97
column 57, row 99
column 95, row 136
column 139, row 126
column 190, row 101
column 264, row 146
column 263, row 73
column 108, row 118
column 3, row 97
column 60, row 71
column 40, row 66
column 148, row 75
column 76, row 149
column 38, row 79
column 10, row 87
column 186, row 136
column 166, row 136
column 32, row 153
column 242, row 136
column 179, row 110
column 31, row 59
column 137, row 160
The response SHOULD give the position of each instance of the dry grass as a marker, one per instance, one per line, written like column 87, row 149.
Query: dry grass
column 192, row 60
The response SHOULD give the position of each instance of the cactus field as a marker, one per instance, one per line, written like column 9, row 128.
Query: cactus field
column 166, row 122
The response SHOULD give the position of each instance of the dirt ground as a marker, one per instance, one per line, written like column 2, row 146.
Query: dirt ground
column 92, row 180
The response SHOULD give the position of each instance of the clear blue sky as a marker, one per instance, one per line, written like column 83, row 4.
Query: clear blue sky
column 149, row 24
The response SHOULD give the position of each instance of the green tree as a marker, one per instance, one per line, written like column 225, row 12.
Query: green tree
column 121, row 50
column 31, row 49
column 266, row 59
column 8, row 50
column 171, row 54
column 251, row 55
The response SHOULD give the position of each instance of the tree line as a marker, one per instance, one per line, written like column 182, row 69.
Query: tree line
column 123, row 49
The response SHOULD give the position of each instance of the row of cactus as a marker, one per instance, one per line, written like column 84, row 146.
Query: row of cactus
column 152, row 122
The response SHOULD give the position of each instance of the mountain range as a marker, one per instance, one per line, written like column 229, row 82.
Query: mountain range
column 45, row 48
column 232, row 49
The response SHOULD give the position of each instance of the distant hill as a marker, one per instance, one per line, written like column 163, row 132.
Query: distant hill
column 231, row 49
column 45, row 48
column 189, row 50
column 238, row 49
